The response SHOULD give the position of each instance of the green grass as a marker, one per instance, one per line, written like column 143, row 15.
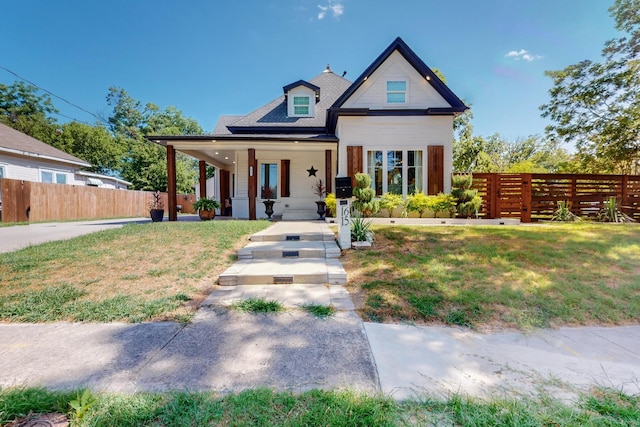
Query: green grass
column 258, row 305
column 518, row 276
column 264, row 407
column 135, row 273
column 320, row 311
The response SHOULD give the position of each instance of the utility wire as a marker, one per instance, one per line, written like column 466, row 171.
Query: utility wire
column 56, row 96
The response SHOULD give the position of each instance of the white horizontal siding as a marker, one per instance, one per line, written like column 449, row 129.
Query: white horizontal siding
column 28, row 168
column 373, row 92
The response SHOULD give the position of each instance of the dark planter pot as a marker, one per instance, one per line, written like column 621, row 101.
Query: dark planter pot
column 322, row 209
column 268, row 207
column 156, row 215
column 206, row 215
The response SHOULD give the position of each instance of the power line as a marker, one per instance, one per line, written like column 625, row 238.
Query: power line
column 56, row 96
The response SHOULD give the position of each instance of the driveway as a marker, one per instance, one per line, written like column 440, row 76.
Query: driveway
column 17, row 237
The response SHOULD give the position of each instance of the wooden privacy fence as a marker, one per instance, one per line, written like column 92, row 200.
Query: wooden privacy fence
column 533, row 197
column 24, row 201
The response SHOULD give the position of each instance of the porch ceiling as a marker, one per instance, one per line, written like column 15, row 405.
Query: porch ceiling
column 221, row 153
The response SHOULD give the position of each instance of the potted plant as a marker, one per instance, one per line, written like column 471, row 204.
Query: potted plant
column 321, row 191
column 206, row 207
column 156, row 207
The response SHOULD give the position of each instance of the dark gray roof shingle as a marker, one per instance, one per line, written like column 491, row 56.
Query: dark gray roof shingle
column 274, row 114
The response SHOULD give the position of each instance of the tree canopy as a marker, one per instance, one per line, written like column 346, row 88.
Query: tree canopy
column 596, row 105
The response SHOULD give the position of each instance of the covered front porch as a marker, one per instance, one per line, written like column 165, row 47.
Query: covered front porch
column 248, row 171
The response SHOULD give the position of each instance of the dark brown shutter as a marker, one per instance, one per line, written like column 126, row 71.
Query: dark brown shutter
column 354, row 162
column 435, row 166
column 328, row 172
column 285, row 178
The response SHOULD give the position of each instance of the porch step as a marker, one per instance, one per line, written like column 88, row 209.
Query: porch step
column 293, row 231
column 290, row 249
column 284, row 271
column 299, row 214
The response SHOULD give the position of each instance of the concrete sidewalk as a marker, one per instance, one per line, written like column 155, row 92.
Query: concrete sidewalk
column 220, row 350
column 432, row 360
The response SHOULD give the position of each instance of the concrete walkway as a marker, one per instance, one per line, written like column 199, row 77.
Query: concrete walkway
column 228, row 351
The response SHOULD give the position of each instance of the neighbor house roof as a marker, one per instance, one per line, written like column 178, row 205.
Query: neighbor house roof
column 272, row 118
column 16, row 142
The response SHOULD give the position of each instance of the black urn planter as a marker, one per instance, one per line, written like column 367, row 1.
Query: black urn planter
column 156, row 215
column 322, row 209
column 268, row 207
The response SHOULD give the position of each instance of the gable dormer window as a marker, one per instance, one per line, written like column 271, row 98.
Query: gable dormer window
column 396, row 92
column 301, row 106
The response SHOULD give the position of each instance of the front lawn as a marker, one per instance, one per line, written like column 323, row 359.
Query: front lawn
column 513, row 276
column 139, row 272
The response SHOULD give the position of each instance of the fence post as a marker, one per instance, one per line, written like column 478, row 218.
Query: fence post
column 525, row 195
column 496, row 209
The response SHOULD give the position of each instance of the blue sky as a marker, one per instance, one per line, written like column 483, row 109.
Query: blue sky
column 210, row 58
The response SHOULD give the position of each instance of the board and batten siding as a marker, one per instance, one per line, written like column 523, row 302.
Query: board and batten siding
column 397, row 133
column 373, row 92
column 301, row 184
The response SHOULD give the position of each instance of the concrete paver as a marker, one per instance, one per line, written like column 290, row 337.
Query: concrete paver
column 414, row 360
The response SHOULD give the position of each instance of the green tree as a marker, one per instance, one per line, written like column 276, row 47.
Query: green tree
column 596, row 105
column 91, row 143
column 144, row 163
column 24, row 110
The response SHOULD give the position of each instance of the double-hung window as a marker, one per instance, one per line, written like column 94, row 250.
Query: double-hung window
column 301, row 105
column 396, row 92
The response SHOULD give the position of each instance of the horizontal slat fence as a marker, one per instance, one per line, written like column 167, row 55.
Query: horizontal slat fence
column 24, row 201
column 534, row 197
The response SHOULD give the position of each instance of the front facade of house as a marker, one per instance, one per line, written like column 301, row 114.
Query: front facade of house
column 394, row 122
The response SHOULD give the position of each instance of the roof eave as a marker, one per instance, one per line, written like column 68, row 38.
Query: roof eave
column 45, row 157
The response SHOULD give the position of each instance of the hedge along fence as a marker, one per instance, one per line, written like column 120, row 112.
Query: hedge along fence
column 24, row 201
column 533, row 197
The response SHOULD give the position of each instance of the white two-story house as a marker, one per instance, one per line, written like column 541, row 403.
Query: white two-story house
column 394, row 122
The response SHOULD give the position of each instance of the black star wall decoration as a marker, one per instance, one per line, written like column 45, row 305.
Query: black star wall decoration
column 312, row 171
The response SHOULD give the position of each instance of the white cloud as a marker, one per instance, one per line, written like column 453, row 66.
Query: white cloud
column 336, row 9
column 522, row 54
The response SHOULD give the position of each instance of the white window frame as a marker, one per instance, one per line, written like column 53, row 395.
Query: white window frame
column 405, row 168
column 3, row 172
column 54, row 177
column 397, row 92
column 307, row 105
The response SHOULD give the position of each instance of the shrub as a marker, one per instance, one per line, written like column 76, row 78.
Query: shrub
column 364, row 194
column 443, row 203
column 563, row 212
column 419, row 202
column 610, row 212
column 467, row 200
column 331, row 202
column 390, row 201
column 361, row 230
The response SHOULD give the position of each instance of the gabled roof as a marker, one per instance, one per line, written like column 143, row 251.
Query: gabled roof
column 16, row 142
column 457, row 106
column 306, row 84
column 272, row 117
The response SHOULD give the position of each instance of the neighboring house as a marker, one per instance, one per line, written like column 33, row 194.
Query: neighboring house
column 394, row 122
column 103, row 181
column 25, row 158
